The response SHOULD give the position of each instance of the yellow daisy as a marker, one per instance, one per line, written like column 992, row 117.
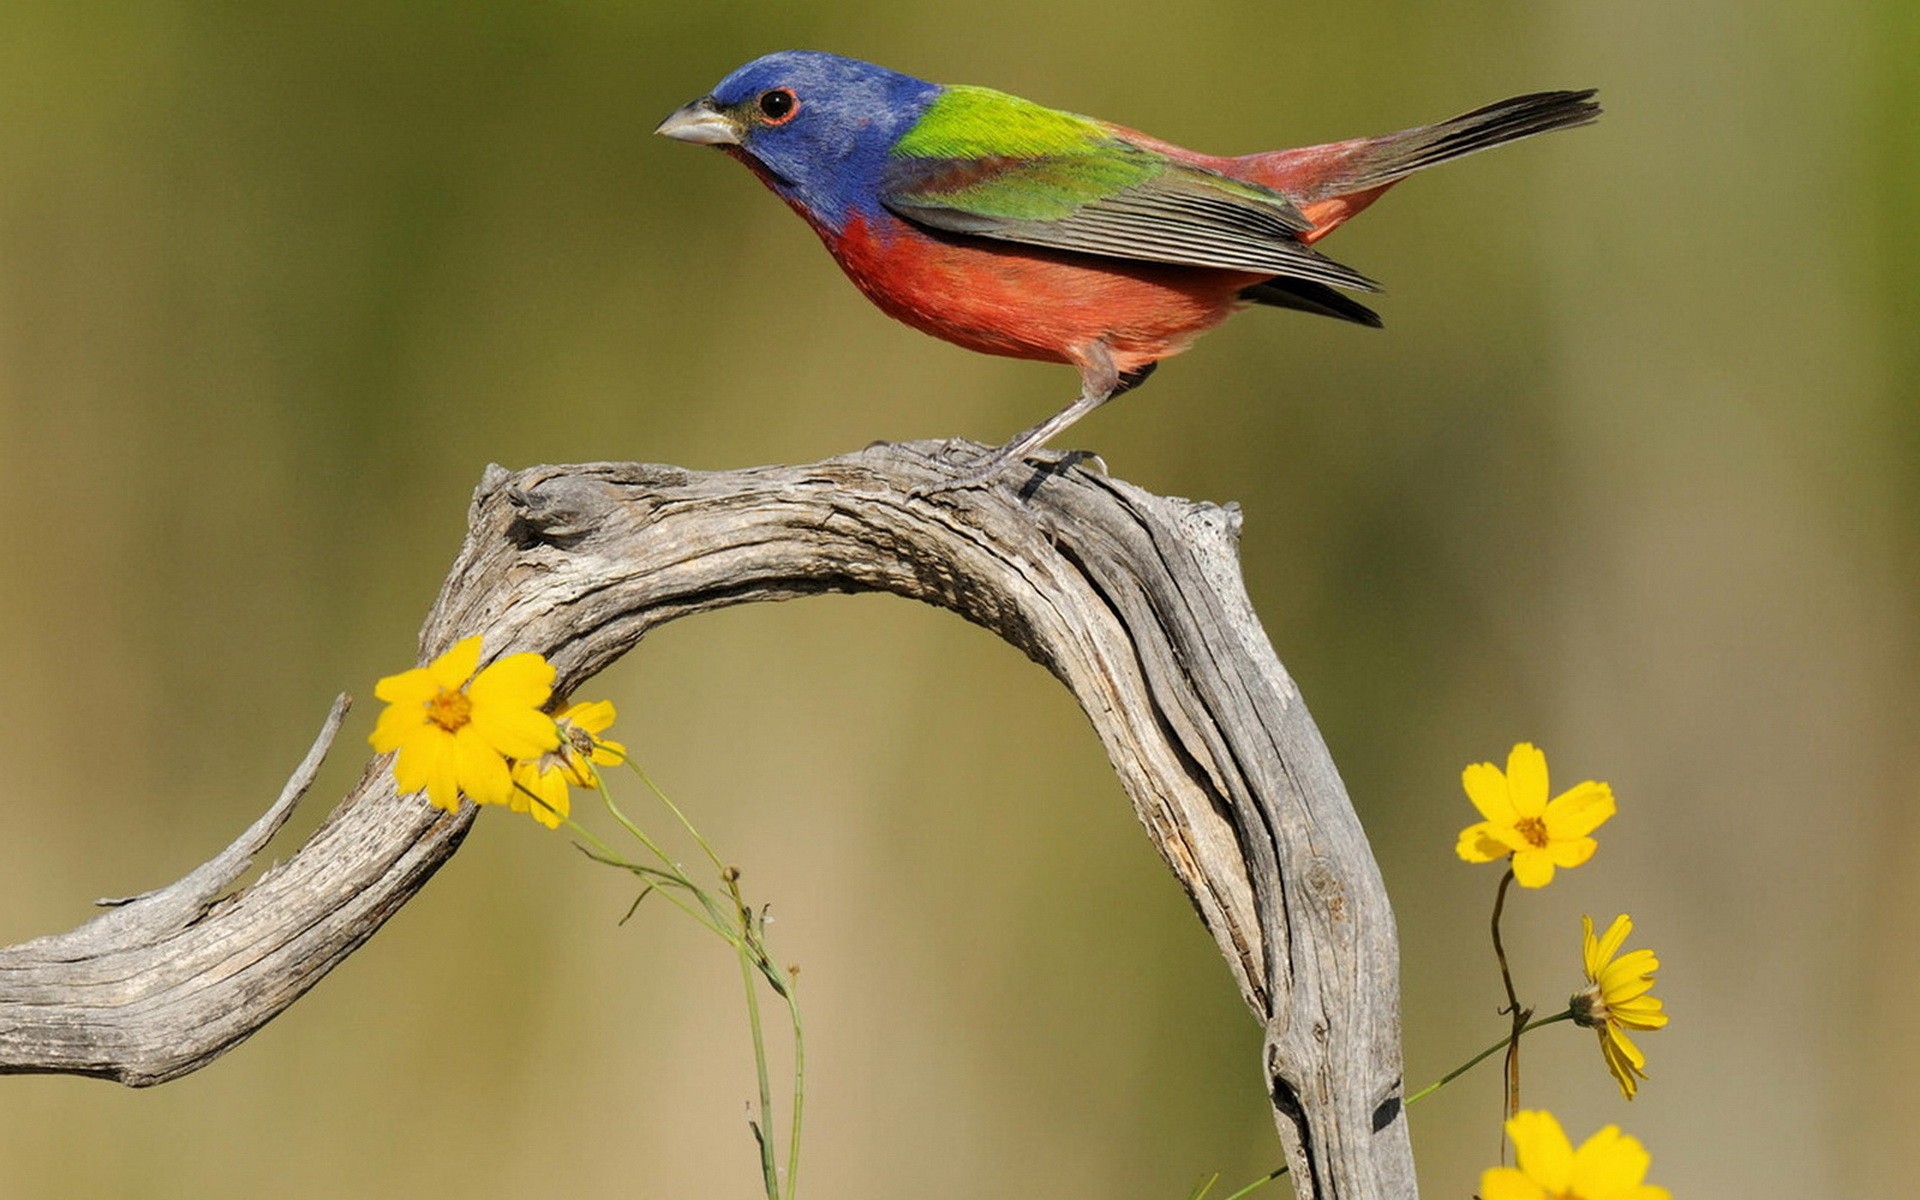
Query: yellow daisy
column 1607, row 1166
column 581, row 745
column 455, row 730
column 540, row 785
column 1538, row 833
column 540, row 788
column 1617, row 999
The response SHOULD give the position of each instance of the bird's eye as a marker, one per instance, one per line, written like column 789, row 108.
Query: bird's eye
column 778, row 105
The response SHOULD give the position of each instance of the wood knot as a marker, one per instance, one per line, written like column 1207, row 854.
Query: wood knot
column 1324, row 882
column 559, row 510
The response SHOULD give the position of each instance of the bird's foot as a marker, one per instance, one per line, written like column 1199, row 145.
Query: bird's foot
column 997, row 467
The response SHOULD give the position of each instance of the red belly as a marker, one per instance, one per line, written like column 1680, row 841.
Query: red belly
column 1027, row 302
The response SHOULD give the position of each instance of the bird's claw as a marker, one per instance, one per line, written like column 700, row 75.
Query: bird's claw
column 987, row 470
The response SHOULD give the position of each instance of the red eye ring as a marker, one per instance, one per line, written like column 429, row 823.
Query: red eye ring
column 777, row 106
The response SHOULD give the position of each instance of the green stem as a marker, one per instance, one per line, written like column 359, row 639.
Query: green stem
column 747, row 953
column 1481, row 1057
column 799, row 1089
column 673, row 808
column 746, row 935
column 1261, row 1182
column 604, row 853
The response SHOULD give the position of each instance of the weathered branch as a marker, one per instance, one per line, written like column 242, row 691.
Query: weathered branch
column 1133, row 601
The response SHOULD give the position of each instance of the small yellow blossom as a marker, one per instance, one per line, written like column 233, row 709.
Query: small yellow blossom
column 1616, row 999
column 1607, row 1166
column 581, row 745
column 540, row 785
column 455, row 730
column 540, row 788
column 1540, row 834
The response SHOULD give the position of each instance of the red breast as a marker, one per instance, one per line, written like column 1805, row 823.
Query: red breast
column 1029, row 302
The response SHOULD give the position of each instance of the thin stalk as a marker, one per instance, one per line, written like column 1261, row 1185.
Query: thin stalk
column 1520, row 1015
column 746, row 935
column 1261, row 1182
column 747, row 953
column 1204, row 1186
column 611, row 857
column 1481, row 1057
column 799, row 1090
column 678, row 815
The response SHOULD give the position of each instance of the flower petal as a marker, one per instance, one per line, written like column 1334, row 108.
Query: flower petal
column 548, row 799
column 1487, row 788
column 1644, row 1013
column 608, row 753
column 1617, row 1038
column 452, row 669
column 1571, row 853
column 412, row 766
column 1579, row 810
column 519, row 680
column 1505, row 1183
column 1527, row 779
column 482, row 771
column 438, row 768
column 1591, row 960
column 1628, row 978
column 1532, row 868
column 514, row 730
column 1541, row 1148
column 397, row 723
column 1477, row 844
column 594, row 716
column 408, row 687
column 1613, row 938
column 1620, row 1056
column 1609, row 1163
column 577, row 767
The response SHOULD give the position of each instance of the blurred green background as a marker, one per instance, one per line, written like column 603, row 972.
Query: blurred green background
column 1630, row 474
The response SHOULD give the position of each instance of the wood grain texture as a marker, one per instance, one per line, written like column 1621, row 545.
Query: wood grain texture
column 1134, row 601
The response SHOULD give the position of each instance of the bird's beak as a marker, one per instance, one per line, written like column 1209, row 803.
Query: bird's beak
column 702, row 124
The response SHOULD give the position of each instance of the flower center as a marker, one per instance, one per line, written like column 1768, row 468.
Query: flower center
column 1534, row 829
column 579, row 739
column 1589, row 1008
column 450, row 710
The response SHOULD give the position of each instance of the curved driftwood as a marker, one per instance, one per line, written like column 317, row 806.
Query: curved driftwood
column 1132, row 600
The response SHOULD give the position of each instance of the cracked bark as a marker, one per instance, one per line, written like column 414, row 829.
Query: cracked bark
column 1133, row 601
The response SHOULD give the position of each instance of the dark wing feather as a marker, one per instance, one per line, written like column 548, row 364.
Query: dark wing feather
column 1304, row 296
column 1177, row 214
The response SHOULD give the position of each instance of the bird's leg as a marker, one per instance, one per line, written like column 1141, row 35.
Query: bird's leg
column 1100, row 381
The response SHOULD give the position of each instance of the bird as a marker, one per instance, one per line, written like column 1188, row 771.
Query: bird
column 1011, row 228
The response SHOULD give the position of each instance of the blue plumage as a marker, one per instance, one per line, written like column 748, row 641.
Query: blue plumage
column 828, row 155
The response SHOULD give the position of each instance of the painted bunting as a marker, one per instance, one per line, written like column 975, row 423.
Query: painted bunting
column 1016, row 229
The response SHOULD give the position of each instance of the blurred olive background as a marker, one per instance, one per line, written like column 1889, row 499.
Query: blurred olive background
column 1630, row 474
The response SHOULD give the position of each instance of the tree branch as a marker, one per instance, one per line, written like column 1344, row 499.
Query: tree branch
column 1133, row 601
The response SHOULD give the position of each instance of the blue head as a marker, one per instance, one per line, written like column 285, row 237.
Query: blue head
column 819, row 125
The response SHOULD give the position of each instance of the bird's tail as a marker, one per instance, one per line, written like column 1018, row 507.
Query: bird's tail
column 1333, row 182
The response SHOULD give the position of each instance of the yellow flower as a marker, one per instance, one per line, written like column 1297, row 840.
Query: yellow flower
column 1607, row 1166
column 455, row 730
column 1540, row 834
column 540, row 788
column 540, row 785
column 1616, row 999
column 581, row 745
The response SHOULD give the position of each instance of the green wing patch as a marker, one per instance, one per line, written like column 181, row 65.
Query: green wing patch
column 974, row 122
column 984, row 163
